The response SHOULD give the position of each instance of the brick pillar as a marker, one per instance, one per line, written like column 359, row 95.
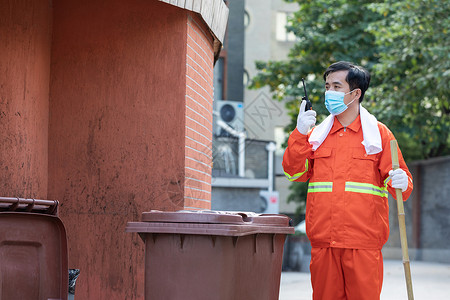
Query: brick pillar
column 199, row 98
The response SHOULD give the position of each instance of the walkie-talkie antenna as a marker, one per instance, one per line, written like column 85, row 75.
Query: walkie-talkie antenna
column 308, row 103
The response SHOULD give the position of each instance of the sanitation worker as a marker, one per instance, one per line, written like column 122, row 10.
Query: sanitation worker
column 347, row 160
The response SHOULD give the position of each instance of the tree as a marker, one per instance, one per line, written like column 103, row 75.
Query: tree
column 414, row 72
column 327, row 31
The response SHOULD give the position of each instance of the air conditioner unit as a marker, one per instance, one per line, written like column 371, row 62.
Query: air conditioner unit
column 230, row 112
column 271, row 202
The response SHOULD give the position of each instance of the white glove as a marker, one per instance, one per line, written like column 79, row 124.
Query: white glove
column 399, row 179
column 305, row 119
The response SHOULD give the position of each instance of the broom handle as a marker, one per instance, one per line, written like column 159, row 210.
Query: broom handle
column 401, row 224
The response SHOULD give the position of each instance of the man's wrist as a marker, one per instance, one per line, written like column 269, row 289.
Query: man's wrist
column 299, row 133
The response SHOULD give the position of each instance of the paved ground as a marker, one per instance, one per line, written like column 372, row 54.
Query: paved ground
column 431, row 281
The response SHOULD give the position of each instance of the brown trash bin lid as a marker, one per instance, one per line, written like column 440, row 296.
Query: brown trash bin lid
column 48, row 207
column 209, row 222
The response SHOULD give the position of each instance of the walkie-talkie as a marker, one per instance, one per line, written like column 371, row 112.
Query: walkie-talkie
column 308, row 103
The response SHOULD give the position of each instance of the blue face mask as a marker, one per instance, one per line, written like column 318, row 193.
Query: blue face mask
column 334, row 102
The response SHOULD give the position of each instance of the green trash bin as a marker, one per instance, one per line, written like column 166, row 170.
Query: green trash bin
column 211, row 255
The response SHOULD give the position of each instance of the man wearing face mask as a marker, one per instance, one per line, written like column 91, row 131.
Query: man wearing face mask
column 347, row 161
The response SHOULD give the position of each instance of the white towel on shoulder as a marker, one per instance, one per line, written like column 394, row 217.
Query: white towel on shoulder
column 371, row 133
column 320, row 132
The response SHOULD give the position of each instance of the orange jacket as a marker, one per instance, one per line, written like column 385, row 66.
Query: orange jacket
column 347, row 204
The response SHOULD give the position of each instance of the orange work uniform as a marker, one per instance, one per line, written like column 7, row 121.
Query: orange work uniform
column 347, row 203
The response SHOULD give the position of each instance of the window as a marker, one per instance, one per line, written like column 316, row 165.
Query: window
column 282, row 34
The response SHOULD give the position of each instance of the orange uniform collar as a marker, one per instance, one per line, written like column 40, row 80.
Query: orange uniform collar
column 355, row 125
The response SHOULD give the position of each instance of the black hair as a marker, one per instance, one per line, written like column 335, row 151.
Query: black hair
column 357, row 77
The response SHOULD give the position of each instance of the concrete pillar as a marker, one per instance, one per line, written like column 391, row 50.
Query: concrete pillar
column 25, row 31
column 118, row 130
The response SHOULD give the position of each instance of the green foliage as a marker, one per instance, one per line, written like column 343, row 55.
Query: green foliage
column 298, row 194
column 405, row 46
column 327, row 31
column 413, row 95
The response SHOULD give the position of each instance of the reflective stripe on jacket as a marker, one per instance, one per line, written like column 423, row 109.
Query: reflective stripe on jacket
column 347, row 204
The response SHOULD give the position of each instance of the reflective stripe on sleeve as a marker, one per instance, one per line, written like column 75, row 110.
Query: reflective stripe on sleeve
column 298, row 175
column 316, row 187
column 390, row 177
column 366, row 188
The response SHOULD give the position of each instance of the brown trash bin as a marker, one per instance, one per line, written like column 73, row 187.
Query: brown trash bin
column 212, row 255
column 33, row 250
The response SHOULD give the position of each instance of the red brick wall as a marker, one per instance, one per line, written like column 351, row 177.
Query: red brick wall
column 198, row 128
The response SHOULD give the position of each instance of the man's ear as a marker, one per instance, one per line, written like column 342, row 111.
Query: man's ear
column 358, row 93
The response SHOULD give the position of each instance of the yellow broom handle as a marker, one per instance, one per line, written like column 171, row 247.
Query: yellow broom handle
column 401, row 224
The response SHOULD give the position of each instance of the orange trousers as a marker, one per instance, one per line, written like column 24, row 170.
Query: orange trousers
column 346, row 274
